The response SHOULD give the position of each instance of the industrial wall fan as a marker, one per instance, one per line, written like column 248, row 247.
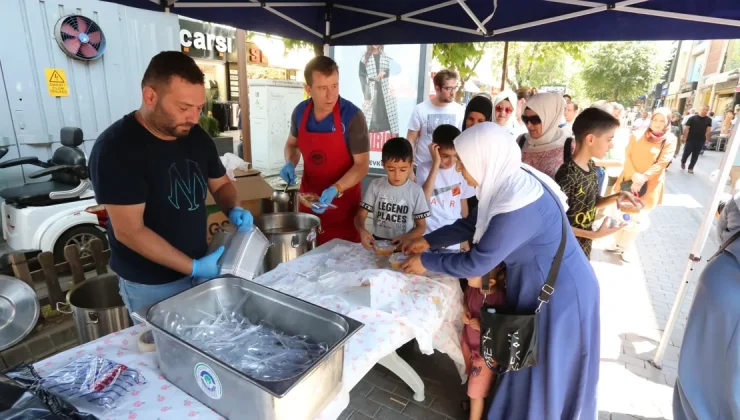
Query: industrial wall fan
column 80, row 37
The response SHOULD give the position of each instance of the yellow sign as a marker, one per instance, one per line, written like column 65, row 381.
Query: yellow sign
column 56, row 80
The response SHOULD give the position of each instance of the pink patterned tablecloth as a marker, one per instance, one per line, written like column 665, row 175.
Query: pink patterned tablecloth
column 394, row 307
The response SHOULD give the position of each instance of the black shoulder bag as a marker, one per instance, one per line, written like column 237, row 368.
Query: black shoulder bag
column 508, row 341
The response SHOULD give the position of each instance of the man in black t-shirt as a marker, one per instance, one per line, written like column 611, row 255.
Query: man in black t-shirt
column 152, row 170
column 696, row 134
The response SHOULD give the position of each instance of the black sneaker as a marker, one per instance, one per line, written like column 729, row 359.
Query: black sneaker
column 683, row 165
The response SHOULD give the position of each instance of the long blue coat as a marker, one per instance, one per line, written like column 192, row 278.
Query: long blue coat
column 563, row 383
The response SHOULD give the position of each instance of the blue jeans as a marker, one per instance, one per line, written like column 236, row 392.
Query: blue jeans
column 137, row 296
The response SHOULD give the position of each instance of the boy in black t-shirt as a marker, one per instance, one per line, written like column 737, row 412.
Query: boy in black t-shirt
column 593, row 131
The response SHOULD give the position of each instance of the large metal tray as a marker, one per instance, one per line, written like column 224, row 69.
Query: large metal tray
column 230, row 392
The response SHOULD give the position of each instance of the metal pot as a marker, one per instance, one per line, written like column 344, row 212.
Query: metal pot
column 97, row 307
column 290, row 235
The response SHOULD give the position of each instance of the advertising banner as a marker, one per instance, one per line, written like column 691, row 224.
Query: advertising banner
column 383, row 80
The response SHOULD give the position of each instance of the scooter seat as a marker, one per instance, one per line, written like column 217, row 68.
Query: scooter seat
column 36, row 194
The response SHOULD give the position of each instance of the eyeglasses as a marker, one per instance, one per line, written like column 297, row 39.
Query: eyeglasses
column 450, row 89
column 534, row 119
column 505, row 110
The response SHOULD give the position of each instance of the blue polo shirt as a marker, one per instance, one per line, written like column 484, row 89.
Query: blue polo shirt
column 354, row 125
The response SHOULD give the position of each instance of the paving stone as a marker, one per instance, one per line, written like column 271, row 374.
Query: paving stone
column 358, row 416
column 418, row 412
column 17, row 354
column 363, row 405
column 382, row 381
column 345, row 414
column 452, row 409
column 405, row 392
column 362, row 388
column 387, row 399
column 386, row 413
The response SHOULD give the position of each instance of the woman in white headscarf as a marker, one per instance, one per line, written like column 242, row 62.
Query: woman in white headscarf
column 504, row 110
column 519, row 222
column 542, row 146
column 708, row 384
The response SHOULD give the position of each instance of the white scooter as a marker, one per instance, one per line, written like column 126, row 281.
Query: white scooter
column 48, row 216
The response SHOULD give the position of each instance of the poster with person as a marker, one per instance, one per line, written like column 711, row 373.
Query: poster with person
column 383, row 81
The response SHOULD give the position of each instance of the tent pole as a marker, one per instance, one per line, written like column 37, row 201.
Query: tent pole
column 699, row 243
column 505, row 66
column 241, row 58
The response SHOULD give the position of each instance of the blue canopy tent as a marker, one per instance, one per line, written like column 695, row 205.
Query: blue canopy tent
column 361, row 22
column 364, row 22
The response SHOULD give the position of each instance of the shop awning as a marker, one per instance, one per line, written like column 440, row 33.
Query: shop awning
column 362, row 22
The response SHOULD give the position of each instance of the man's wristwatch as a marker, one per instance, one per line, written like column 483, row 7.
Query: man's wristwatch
column 340, row 190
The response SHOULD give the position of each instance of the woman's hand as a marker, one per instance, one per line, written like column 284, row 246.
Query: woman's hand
column 638, row 178
column 413, row 265
column 466, row 317
column 475, row 324
column 624, row 197
column 635, row 188
column 380, row 75
column 414, row 246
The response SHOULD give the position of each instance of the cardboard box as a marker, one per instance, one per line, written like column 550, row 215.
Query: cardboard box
column 251, row 189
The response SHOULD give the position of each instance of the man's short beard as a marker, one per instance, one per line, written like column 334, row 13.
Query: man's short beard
column 163, row 123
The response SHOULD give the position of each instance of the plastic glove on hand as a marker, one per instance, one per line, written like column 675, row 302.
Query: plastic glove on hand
column 327, row 197
column 241, row 218
column 288, row 173
column 207, row 267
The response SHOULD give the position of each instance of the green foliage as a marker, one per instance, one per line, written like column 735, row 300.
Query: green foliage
column 293, row 45
column 543, row 63
column 622, row 71
column 733, row 56
column 463, row 58
column 210, row 125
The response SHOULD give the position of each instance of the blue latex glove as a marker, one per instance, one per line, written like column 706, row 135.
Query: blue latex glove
column 327, row 196
column 288, row 173
column 241, row 218
column 207, row 267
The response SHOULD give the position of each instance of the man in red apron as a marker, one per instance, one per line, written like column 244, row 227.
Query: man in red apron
column 331, row 135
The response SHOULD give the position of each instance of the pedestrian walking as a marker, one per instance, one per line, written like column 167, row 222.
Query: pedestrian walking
column 696, row 134
column 646, row 159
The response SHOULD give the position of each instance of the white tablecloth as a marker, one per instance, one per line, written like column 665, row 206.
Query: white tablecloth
column 394, row 307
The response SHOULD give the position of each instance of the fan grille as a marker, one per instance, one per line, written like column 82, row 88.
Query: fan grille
column 80, row 37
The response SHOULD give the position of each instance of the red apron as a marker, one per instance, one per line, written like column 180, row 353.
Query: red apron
column 326, row 159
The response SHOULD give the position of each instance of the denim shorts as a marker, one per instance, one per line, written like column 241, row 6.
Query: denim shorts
column 138, row 296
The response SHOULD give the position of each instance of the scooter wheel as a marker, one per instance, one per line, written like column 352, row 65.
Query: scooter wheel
column 80, row 236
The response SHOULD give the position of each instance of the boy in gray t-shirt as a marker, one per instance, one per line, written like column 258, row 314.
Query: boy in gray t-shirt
column 398, row 205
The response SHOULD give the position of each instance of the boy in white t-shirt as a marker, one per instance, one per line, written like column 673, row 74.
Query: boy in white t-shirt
column 444, row 187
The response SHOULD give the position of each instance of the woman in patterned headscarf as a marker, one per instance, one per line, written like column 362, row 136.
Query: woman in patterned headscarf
column 379, row 107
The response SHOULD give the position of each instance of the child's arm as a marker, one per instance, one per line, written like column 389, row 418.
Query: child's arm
column 420, row 227
column 603, row 231
column 366, row 238
column 621, row 196
column 428, row 186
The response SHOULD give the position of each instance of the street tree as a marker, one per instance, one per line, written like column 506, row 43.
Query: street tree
column 540, row 63
column 622, row 71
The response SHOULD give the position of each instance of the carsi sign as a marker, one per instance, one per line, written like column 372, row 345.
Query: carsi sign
column 204, row 40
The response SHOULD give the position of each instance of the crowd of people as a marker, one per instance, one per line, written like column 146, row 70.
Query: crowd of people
column 486, row 189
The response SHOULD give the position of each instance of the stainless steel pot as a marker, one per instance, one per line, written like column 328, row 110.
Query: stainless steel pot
column 290, row 235
column 97, row 307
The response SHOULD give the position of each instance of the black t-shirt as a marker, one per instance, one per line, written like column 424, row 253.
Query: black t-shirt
column 129, row 165
column 698, row 128
column 582, row 189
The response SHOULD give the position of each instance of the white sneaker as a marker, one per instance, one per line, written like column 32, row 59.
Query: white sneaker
column 627, row 257
column 615, row 248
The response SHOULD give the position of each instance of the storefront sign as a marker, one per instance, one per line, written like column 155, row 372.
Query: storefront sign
column 205, row 40
column 255, row 55
column 687, row 87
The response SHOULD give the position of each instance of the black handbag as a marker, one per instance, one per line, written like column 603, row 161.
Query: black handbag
column 508, row 340
column 626, row 186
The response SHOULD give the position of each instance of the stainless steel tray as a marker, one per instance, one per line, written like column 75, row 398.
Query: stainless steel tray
column 19, row 311
column 230, row 392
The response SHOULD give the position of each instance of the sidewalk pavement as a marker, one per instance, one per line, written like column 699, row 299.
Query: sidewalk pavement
column 636, row 298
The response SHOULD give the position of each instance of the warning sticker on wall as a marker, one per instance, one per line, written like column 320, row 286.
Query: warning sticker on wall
column 56, row 80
